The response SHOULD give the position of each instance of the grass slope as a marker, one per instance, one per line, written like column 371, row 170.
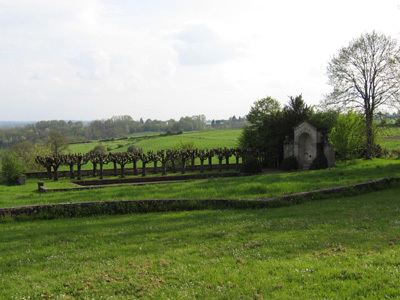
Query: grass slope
column 259, row 186
column 345, row 248
column 202, row 140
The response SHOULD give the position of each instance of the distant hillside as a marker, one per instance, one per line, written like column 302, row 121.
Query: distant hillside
column 10, row 124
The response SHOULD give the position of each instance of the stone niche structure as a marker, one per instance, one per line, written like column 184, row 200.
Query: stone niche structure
column 307, row 144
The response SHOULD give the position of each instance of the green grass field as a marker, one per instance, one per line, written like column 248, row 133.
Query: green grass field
column 389, row 138
column 344, row 248
column 152, row 141
column 340, row 248
column 258, row 186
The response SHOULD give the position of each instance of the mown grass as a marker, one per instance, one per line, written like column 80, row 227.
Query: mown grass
column 259, row 186
column 345, row 248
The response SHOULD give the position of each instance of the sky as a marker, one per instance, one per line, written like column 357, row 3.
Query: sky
column 159, row 59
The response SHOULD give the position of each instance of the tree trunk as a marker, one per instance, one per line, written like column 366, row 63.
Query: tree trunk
column 79, row 172
column 122, row 171
column 237, row 162
column 173, row 166
column 210, row 163
column 143, row 169
column 155, row 167
column 101, row 171
column 370, row 135
column 164, row 168
column 183, row 166
column 55, row 168
column 71, row 171
column 220, row 164
column 115, row 168
column 201, row 166
column 192, row 166
column 227, row 162
column 135, row 168
column 49, row 175
column 94, row 169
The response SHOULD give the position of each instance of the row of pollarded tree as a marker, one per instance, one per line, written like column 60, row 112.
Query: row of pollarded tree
column 164, row 157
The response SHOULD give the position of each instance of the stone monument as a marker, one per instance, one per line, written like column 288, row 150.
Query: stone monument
column 308, row 142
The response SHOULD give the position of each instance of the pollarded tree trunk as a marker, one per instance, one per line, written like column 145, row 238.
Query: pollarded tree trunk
column 192, row 163
column 71, row 171
column 135, row 167
column 220, row 159
column 370, row 135
column 183, row 165
column 101, row 171
column 155, row 167
column 94, row 169
column 227, row 162
column 49, row 174
column 79, row 172
column 143, row 169
column 122, row 170
column 115, row 168
column 55, row 172
column 173, row 166
column 201, row 165
column 210, row 163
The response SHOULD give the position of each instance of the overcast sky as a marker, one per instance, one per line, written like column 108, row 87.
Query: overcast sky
column 162, row 59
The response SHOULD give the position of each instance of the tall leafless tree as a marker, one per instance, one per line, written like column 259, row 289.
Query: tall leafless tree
column 366, row 74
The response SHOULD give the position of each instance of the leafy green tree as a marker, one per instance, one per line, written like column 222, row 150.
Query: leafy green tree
column 57, row 142
column 12, row 167
column 366, row 75
column 347, row 135
column 295, row 112
column 264, row 131
column 27, row 152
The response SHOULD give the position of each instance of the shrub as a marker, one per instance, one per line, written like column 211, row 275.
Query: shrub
column 11, row 168
column 289, row 164
column 320, row 162
column 131, row 148
column 251, row 165
column 99, row 149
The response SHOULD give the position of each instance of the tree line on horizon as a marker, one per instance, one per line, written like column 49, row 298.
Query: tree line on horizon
column 115, row 127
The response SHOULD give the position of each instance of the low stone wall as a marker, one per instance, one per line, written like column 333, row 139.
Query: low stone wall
column 73, row 209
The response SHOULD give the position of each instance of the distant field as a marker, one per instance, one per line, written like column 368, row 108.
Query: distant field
column 342, row 248
column 389, row 138
column 154, row 142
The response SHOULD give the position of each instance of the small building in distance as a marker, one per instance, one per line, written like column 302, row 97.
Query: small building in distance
column 308, row 142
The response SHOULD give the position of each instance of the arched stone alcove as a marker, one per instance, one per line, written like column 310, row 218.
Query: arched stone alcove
column 304, row 146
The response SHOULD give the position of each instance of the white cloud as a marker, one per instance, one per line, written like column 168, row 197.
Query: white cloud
column 200, row 45
column 163, row 59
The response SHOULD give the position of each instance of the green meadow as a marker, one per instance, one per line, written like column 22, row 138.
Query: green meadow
column 153, row 141
column 337, row 248
column 341, row 248
column 258, row 186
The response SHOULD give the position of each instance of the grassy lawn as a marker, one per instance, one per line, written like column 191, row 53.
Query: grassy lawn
column 259, row 186
column 345, row 248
